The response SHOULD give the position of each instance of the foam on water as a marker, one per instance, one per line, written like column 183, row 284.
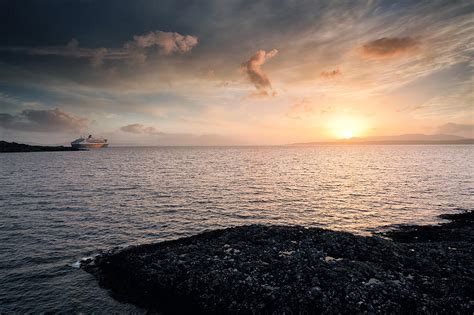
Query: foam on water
column 77, row 264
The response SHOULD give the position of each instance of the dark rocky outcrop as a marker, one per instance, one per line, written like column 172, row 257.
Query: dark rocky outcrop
column 459, row 228
column 292, row 269
column 8, row 147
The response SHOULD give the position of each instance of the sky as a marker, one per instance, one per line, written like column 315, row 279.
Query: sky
column 234, row 72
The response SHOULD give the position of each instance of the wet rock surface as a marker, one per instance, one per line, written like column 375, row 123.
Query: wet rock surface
column 292, row 269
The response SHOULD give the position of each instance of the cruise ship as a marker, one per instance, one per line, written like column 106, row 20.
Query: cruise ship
column 89, row 143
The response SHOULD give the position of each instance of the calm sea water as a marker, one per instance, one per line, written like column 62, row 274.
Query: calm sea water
column 57, row 207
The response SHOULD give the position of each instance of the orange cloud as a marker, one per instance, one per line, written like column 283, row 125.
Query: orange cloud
column 301, row 108
column 168, row 42
column 253, row 69
column 387, row 47
column 330, row 74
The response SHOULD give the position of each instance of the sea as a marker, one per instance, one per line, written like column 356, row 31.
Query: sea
column 57, row 208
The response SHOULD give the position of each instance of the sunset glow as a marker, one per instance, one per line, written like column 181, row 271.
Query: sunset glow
column 236, row 156
column 347, row 127
column 347, row 134
column 162, row 79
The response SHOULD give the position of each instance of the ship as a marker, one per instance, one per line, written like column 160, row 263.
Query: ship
column 89, row 143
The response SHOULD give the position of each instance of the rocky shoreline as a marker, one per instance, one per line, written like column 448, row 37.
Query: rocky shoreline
column 293, row 269
column 10, row 147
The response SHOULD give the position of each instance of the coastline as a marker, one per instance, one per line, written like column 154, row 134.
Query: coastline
column 387, row 142
column 293, row 269
column 13, row 147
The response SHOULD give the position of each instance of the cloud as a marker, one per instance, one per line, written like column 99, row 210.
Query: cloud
column 73, row 44
column 306, row 108
column 330, row 74
column 253, row 69
column 168, row 42
column 173, row 85
column 186, row 139
column 262, row 94
column 49, row 120
column 97, row 57
column 72, row 50
column 465, row 130
column 301, row 108
column 137, row 50
column 388, row 47
column 140, row 129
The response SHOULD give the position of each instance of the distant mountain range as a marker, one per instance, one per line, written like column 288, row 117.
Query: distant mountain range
column 401, row 139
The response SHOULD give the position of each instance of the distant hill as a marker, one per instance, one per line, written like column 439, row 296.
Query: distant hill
column 413, row 137
column 401, row 139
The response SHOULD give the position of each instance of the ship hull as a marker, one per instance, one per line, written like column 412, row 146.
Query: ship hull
column 89, row 145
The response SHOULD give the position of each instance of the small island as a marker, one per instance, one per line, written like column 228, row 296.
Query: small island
column 10, row 147
column 293, row 269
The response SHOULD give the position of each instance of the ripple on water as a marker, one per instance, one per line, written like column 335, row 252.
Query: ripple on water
column 61, row 208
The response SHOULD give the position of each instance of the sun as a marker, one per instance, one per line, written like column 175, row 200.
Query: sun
column 347, row 127
column 347, row 134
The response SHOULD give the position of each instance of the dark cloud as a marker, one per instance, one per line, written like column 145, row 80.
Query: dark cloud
column 138, row 50
column 330, row 74
column 253, row 69
column 387, row 47
column 49, row 120
column 465, row 130
column 140, row 129
column 70, row 50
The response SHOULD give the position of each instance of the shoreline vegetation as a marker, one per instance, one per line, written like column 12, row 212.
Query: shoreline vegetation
column 11, row 147
column 293, row 269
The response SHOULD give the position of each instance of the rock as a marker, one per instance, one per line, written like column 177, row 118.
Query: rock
column 292, row 269
column 331, row 259
column 315, row 290
column 373, row 281
column 269, row 287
